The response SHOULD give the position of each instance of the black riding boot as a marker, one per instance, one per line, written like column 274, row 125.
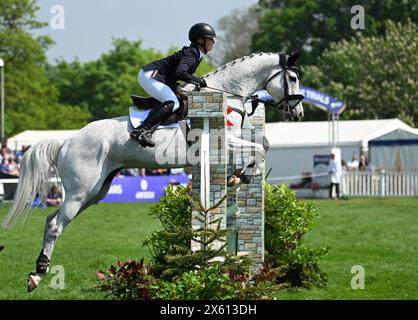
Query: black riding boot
column 143, row 133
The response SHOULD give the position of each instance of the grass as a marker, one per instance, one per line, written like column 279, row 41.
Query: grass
column 379, row 234
column 97, row 238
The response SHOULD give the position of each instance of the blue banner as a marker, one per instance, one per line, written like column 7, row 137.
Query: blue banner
column 322, row 100
column 318, row 98
column 141, row 189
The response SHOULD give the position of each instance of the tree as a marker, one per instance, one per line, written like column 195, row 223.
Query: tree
column 236, row 30
column 375, row 76
column 314, row 24
column 104, row 85
column 29, row 98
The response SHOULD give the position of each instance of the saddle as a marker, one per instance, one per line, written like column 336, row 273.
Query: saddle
column 146, row 103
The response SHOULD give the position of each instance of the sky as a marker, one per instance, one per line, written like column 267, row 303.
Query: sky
column 90, row 25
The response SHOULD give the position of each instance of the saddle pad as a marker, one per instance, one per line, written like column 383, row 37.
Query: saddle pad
column 136, row 116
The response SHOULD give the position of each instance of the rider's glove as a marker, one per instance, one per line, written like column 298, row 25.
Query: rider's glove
column 199, row 82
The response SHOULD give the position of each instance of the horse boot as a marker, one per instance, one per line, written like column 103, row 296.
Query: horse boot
column 42, row 268
column 143, row 133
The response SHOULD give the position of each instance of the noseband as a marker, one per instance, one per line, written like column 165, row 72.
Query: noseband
column 284, row 106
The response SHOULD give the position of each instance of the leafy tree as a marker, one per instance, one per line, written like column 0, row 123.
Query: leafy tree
column 376, row 76
column 29, row 97
column 314, row 24
column 104, row 85
column 235, row 34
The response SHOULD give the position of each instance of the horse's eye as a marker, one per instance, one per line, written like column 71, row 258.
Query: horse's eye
column 293, row 79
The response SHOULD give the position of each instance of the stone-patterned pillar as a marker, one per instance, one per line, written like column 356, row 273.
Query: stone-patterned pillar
column 249, row 223
column 209, row 107
column 250, row 200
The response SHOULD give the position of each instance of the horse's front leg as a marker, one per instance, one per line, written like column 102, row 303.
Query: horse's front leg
column 253, row 165
column 256, row 165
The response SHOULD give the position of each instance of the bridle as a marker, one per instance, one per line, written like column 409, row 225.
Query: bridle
column 289, row 101
column 285, row 105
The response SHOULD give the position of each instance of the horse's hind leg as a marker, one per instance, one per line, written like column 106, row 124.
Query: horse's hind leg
column 55, row 223
column 54, row 227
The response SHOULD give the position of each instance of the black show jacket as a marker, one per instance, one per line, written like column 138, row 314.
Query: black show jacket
column 178, row 66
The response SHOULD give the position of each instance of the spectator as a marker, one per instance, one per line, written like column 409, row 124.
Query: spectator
column 5, row 149
column 353, row 164
column 363, row 163
column 13, row 168
column 5, row 165
column 335, row 172
column 54, row 198
column 21, row 152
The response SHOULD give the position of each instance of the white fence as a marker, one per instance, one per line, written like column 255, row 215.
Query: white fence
column 53, row 181
column 380, row 183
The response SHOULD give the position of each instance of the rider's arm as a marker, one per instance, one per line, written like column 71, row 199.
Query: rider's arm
column 185, row 67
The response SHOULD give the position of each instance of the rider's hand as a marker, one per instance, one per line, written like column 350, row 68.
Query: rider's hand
column 202, row 83
column 199, row 82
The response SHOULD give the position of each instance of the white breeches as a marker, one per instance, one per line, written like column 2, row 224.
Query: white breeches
column 157, row 89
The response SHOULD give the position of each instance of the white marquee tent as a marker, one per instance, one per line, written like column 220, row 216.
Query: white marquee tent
column 30, row 137
column 389, row 143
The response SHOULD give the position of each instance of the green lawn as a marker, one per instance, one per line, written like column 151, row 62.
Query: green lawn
column 379, row 234
column 98, row 237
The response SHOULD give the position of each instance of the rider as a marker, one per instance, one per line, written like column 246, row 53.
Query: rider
column 159, row 79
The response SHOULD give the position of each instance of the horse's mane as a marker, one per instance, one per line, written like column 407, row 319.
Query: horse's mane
column 239, row 60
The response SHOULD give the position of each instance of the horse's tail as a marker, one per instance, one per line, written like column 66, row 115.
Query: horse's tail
column 34, row 178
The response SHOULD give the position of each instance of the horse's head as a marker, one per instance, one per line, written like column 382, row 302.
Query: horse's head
column 283, row 86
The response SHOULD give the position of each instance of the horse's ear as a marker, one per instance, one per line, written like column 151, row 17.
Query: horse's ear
column 294, row 56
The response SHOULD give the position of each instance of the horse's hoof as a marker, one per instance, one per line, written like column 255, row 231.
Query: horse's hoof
column 33, row 281
column 232, row 181
column 233, row 187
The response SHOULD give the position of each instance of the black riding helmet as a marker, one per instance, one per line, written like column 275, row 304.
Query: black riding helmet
column 201, row 30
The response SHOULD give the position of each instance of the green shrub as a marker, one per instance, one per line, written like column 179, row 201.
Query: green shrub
column 175, row 214
column 131, row 280
column 180, row 273
column 171, row 247
column 202, row 284
column 258, row 286
column 287, row 220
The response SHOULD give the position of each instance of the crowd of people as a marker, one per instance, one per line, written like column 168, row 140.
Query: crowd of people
column 356, row 164
column 10, row 160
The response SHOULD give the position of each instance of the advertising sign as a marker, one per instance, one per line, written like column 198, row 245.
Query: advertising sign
column 141, row 189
